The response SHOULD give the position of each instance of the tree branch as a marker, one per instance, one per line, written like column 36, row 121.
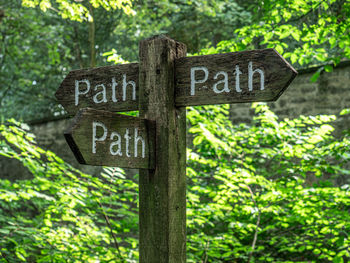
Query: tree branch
column 302, row 16
column 77, row 47
column 257, row 224
column 110, row 228
column 205, row 253
column 92, row 38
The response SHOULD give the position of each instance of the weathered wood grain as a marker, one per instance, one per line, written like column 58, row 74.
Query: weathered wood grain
column 278, row 74
column 163, row 191
column 94, row 148
column 66, row 93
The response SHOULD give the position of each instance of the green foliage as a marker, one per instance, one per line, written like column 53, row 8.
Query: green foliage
column 271, row 191
column 62, row 214
column 113, row 56
column 31, row 62
column 78, row 10
column 304, row 31
column 198, row 24
column 38, row 49
column 265, row 193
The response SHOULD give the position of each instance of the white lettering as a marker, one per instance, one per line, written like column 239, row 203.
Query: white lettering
column 193, row 77
column 125, row 84
column 237, row 73
column 116, row 143
column 77, row 91
column 250, row 77
column 114, row 85
column 127, row 138
column 102, row 92
column 224, row 81
column 137, row 139
column 96, row 124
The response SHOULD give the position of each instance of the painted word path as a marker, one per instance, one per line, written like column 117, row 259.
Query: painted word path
column 104, row 138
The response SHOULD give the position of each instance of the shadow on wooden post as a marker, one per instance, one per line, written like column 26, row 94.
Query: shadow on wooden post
column 162, row 190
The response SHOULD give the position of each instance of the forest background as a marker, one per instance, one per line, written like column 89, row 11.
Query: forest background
column 247, row 197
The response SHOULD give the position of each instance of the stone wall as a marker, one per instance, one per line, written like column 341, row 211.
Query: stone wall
column 329, row 95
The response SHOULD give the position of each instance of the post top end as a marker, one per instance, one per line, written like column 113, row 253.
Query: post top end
column 159, row 36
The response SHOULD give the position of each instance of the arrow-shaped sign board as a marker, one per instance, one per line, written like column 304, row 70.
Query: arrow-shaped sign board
column 112, row 88
column 99, row 137
column 247, row 76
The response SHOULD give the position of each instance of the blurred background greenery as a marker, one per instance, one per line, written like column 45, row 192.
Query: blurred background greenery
column 267, row 191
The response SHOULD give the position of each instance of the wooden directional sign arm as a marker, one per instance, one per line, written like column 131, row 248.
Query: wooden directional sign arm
column 248, row 76
column 112, row 88
column 104, row 138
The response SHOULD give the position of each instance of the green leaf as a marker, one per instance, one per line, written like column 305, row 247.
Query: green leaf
column 279, row 49
column 338, row 259
column 345, row 112
column 198, row 139
column 316, row 75
column 293, row 58
column 328, row 68
column 296, row 35
column 332, row 41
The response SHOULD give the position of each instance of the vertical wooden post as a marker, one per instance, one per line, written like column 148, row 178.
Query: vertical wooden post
column 162, row 191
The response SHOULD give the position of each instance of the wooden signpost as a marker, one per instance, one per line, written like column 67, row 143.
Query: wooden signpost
column 160, row 86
